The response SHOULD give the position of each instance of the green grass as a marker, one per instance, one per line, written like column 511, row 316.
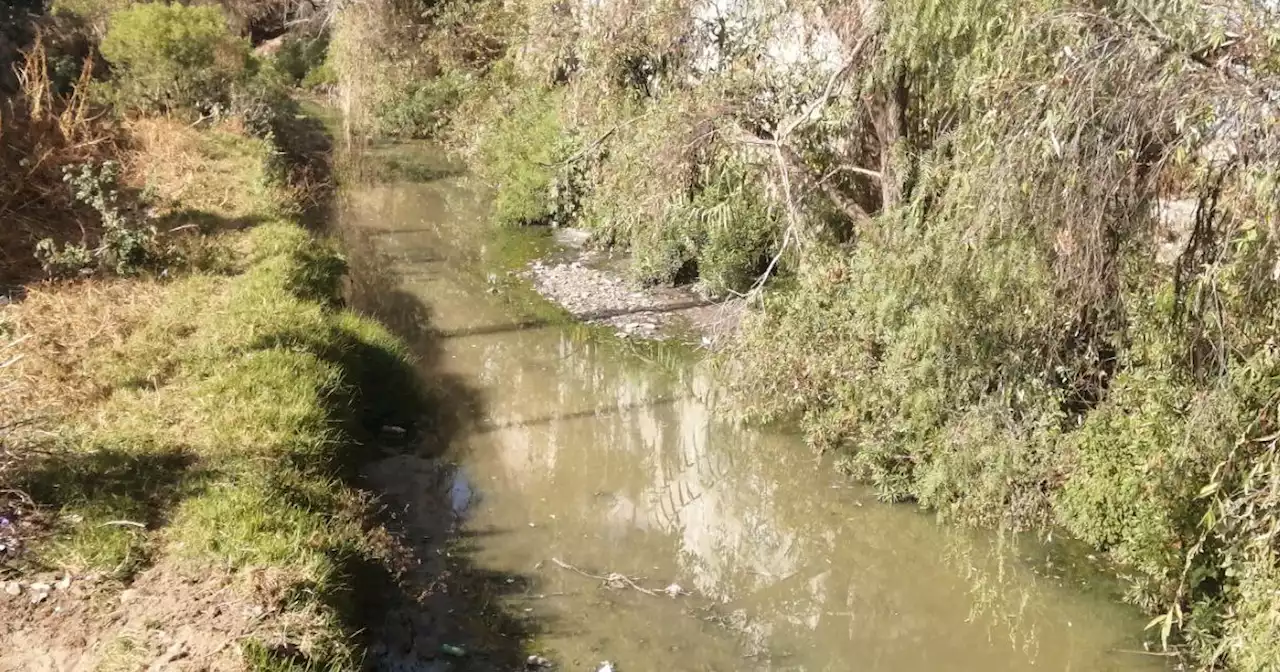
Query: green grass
column 229, row 420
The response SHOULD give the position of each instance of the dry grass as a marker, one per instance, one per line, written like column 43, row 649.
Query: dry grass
column 62, row 334
column 219, row 172
column 40, row 134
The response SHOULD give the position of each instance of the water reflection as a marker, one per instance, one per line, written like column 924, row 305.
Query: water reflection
column 614, row 468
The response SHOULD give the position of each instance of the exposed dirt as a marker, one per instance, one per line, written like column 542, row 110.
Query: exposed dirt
column 167, row 620
column 591, row 285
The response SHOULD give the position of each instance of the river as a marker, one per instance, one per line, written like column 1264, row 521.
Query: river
column 563, row 460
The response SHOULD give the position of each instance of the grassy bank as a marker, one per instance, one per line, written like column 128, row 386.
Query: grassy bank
column 208, row 424
column 1015, row 262
column 187, row 400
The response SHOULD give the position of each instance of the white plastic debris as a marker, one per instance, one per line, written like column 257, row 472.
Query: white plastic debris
column 673, row 590
column 605, row 666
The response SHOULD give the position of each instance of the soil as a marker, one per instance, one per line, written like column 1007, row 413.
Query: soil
column 166, row 620
column 592, row 286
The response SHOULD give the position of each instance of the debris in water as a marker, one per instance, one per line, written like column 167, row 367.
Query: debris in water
column 674, row 590
column 455, row 651
column 393, row 430
column 537, row 661
column 606, row 666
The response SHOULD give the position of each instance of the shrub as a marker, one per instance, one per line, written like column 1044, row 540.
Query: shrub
column 521, row 155
column 725, row 231
column 417, row 109
column 300, row 56
column 172, row 57
column 127, row 246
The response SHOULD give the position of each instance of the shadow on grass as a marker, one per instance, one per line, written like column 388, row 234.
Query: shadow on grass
column 105, row 499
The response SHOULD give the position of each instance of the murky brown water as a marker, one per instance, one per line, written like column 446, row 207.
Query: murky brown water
column 582, row 456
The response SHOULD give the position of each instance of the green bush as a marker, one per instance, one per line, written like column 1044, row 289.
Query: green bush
column 172, row 57
column 417, row 109
column 520, row 154
column 726, row 230
column 127, row 245
column 300, row 56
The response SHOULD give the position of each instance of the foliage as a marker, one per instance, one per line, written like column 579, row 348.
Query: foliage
column 985, row 297
column 301, row 55
column 417, row 109
column 172, row 57
column 127, row 246
column 522, row 156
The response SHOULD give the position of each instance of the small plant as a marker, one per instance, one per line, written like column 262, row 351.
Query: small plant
column 125, row 247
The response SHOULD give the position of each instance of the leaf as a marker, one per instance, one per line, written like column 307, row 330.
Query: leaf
column 1157, row 620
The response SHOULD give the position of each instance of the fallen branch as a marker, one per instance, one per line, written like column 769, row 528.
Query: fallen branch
column 789, row 161
column 616, row 581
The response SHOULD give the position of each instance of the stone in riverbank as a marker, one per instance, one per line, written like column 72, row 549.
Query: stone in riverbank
column 600, row 296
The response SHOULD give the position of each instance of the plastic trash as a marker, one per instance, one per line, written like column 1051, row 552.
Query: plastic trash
column 455, row 651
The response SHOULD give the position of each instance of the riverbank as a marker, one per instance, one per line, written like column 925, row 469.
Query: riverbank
column 182, row 449
column 593, row 286
column 974, row 285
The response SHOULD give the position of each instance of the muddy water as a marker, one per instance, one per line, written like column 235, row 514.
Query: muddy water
column 577, row 462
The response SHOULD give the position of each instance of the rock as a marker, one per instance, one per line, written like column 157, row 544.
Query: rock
column 13, row 588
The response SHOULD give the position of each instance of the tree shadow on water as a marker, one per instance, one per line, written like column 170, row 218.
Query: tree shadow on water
column 430, row 601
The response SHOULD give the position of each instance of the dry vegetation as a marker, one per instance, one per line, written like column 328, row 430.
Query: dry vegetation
column 43, row 132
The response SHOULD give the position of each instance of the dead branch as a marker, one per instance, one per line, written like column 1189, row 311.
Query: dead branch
column 790, row 163
column 613, row 580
